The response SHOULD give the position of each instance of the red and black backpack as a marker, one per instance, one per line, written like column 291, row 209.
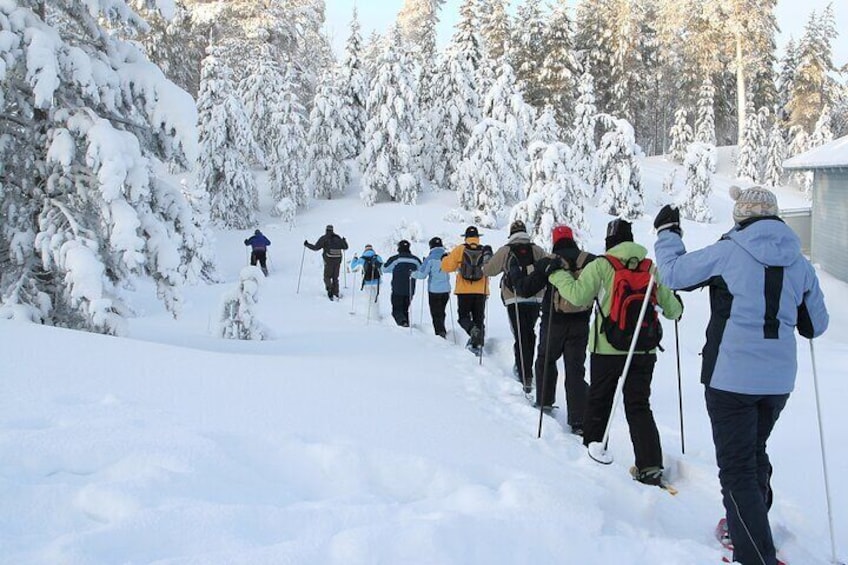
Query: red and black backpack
column 629, row 285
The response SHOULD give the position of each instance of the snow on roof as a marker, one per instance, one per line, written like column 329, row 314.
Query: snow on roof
column 833, row 155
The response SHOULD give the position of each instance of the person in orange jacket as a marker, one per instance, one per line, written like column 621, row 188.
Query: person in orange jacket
column 472, row 286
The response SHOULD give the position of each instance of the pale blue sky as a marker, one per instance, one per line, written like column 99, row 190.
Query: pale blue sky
column 379, row 14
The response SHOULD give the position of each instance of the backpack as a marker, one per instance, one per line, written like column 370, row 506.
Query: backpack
column 522, row 254
column 627, row 295
column 560, row 304
column 370, row 269
column 471, row 266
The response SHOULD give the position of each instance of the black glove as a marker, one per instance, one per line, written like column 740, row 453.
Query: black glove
column 306, row 243
column 556, row 264
column 668, row 218
column 487, row 252
column 245, row 242
column 542, row 264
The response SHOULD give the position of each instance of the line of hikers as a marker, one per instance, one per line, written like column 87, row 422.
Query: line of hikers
column 762, row 289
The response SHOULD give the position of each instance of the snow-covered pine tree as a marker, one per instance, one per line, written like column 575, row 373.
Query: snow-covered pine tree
column 260, row 91
column 558, row 72
column 546, row 129
column 775, row 155
column 371, row 53
column 237, row 318
column 286, row 179
column 554, row 193
column 327, row 174
column 86, row 123
column 700, row 162
column 811, row 81
column 799, row 142
column 417, row 20
column 619, row 174
column 786, row 76
column 495, row 30
column 747, row 165
column 584, row 150
column 821, row 132
column 527, row 51
column 705, row 131
column 681, row 136
column 487, row 167
column 456, row 110
column 390, row 160
column 226, row 143
column 353, row 89
column 466, row 40
column 176, row 45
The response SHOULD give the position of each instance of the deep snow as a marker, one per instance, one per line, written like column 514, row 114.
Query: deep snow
column 347, row 441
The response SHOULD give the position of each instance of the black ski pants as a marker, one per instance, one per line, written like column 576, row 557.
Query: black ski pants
column 522, row 320
column 742, row 424
column 605, row 371
column 332, row 266
column 259, row 256
column 438, row 302
column 566, row 336
column 472, row 312
column 400, row 308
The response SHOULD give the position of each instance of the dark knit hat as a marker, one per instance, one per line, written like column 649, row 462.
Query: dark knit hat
column 561, row 232
column 471, row 231
column 329, row 227
column 754, row 202
column 436, row 242
column 516, row 227
column 618, row 231
column 403, row 245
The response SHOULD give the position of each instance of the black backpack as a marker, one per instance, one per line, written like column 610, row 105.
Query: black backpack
column 471, row 267
column 370, row 269
column 520, row 254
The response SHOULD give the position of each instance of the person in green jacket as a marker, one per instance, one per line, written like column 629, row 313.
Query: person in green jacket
column 607, row 362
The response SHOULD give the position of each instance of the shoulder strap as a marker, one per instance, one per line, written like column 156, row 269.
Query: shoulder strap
column 614, row 261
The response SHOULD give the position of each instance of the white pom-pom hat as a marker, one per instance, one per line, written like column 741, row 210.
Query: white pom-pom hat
column 754, row 202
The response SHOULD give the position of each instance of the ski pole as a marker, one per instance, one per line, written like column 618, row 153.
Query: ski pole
column 411, row 294
column 300, row 273
column 344, row 261
column 679, row 387
column 823, row 456
column 545, row 360
column 598, row 450
column 450, row 309
column 353, row 296
column 520, row 346
column 421, row 316
column 483, row 325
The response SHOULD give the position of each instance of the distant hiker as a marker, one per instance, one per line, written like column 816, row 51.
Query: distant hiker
column 762, row 289
column 258, row 250
column 402, row 266
column 564, row 330
column 332, row 246
column 472, row 286
column 438, row 284
column 371, row 266
column 603, row 278
column 523, row 311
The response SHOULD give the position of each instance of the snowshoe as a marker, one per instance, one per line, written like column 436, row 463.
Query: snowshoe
column 652, row 476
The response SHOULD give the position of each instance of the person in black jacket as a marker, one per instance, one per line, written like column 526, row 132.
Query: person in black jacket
column 332, row 246
column 564, row 330
column 402, row 266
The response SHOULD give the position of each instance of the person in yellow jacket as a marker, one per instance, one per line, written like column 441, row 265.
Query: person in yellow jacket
column 472, row 286
column 607, row 362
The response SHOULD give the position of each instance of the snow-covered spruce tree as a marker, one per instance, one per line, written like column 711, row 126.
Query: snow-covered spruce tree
column 681, row 136
column 775, row 155
column 799, row 142
column 327, row 144
column 495, row 30
column 456, row 110
column 86, row 122
column 226, row 143
column 290, row 122
column 554, row 193
column 558, row 73
column 619, row 175
column 584, row 150
column 389, row 160
column 487, row 171
column 700, row 162
column 526, row 50
column 417, row 20
column 546, row 129
column 353, row 89
column 237, row 319
column 705, row 130
column 747, row 165
column 176, row 45
column 260, row 91
column 821, row 132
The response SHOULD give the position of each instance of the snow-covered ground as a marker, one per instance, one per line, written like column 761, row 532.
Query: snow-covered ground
column 347, row 441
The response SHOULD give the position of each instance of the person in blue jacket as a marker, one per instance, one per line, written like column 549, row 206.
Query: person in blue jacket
column 438, row 284
column 401, row 266
column 762, row 289
column 371, row 266
column 259, row 250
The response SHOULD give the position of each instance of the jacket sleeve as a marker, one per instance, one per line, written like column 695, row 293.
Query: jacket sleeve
column 680, row 270
column 813, row 318
column 450, row 262
column 497, row 263
column 582, row 290
column 671, row 306
column 266, row 240
column 421, row 271
column 318, row 244
column 389, row 265
column 356, row 263
column 343, row 244
column 530, row 284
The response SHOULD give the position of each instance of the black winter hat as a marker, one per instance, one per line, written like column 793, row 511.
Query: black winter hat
column 436, row 242
column 403, row 245
column 471, row 231
column 329, row 227
column 516, row 227
column 619, row 230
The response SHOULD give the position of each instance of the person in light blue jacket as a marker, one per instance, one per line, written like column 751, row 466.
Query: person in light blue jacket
column 438, row 284
column 371, row 266
column 762, row 289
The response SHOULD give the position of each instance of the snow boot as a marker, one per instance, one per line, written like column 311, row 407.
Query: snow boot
column 649, row 476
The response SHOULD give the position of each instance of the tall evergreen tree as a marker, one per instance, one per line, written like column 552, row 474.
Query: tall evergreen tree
column 389, row 160
column 353, row 89
column 747, row 166
column 328, row 145
column 681, row 136
column 417, row 20
column 226, row 143
column 810, row 85
column 290, row 122
column 583, row 134
column 495, row 29
column 259, row 91
column 705, row 130
column 700, row 162
column 775, row 155
column 546, row 129
column 527, row 50
column 619, row 174
column 558, row 73
column 176, row 45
